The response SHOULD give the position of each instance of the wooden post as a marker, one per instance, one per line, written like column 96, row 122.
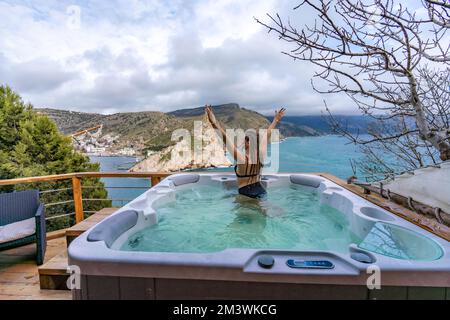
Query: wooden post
column 155, row 180
column 77, row 199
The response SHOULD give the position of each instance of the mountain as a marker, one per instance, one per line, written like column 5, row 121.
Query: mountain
column 290, row 129
column 235, row 117
column 219, row 110
column 152, row 131
column 231, row 115
column 321, row 124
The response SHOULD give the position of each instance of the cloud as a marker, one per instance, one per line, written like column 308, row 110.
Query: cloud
column 152, row 55
column 40, row 75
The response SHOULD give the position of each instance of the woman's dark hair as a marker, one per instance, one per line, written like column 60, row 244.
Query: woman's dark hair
column 247, row 140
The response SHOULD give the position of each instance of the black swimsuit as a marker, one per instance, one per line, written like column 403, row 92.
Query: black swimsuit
column 253, row 190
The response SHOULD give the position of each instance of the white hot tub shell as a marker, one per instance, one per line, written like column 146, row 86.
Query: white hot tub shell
column 107, row 272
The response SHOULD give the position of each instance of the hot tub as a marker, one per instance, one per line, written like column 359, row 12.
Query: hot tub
column 192, row 237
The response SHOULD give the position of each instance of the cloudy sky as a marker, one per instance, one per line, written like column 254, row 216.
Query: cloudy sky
column 135, row 55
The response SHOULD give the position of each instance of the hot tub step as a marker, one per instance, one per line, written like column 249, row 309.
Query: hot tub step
column 53, row 274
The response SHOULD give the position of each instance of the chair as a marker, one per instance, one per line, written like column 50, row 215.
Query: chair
column 22, row 221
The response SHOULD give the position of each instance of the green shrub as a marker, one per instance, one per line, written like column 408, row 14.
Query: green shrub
column 31, row 145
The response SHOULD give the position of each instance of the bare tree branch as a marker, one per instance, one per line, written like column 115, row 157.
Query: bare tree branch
column 390, row 61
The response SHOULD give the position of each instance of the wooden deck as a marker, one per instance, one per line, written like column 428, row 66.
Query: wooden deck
column 20, row 277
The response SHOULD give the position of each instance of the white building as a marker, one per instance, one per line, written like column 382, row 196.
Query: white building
column 127, row 151
column 95, row 150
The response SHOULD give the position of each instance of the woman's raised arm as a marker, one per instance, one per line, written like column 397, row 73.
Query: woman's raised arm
column 278, row 115
column 265, row 139
column 229, row 144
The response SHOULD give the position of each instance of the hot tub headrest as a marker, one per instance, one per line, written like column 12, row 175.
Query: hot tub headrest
column 306, row 180
column 185, row 179
column 110, row 229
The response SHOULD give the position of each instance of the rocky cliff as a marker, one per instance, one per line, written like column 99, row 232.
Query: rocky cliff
column 181, row 156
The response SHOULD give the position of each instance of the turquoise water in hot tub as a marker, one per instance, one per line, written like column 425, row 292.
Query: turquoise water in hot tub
column 400, row 243
column 211, row 219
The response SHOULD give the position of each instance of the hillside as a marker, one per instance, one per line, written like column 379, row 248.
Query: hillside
column 69, row 122
column 136, row 130
column 321, row 125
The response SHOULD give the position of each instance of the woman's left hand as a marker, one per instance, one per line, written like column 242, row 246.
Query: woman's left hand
column 279, row 114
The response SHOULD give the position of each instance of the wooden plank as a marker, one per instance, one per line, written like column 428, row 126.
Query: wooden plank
column 31, row 292
column 123, row 174
column 155, row 181
column 183, row 289
column 56, row 234
column 137, row 289
column 22, row 250
column 106, row 211
column 68, row 176
column 18, row 289
column 55, row 266
column 19, row 268
column 77, row 199
column 55, row 247
column 53, row 282
column 426, row 293
column 42, row 295
column 12, row 259
column 389, row 293
column 23, row 277
column 103, row 288
column 36, row 179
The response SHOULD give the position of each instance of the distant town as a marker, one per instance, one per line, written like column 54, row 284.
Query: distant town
column 93, row 143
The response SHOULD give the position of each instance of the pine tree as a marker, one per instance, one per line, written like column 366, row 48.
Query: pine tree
column 31, row 145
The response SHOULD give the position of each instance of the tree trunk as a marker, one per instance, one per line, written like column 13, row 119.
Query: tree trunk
column 436, row 139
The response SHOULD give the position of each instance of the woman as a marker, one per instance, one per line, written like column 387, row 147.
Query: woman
column 249, row 165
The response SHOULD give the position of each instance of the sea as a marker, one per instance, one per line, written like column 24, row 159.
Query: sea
column 330, row 153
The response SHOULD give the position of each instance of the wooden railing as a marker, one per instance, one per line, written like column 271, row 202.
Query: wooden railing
column 77, row 185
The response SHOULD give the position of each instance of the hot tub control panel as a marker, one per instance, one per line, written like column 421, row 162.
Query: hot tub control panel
column 302, row 262
column 310, row 264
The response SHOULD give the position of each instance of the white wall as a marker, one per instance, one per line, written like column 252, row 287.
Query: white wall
column 430, row 186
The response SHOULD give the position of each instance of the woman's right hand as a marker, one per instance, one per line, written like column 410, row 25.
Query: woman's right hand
column 211, row 116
